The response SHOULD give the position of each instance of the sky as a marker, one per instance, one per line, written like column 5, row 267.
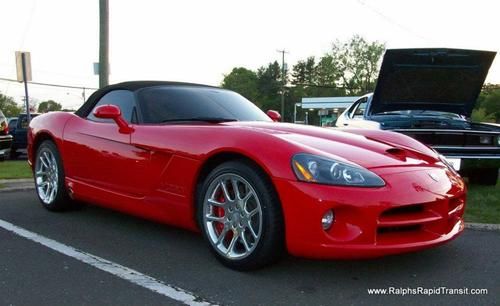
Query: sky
column 201, row 41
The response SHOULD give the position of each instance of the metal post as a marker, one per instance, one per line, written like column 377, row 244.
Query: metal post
column 25, row 79
column 283, row 86
column 283, row 80
column 103, row 43
column 295, row 113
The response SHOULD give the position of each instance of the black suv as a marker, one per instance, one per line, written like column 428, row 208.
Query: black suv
column 20, row 133
column 5, row 138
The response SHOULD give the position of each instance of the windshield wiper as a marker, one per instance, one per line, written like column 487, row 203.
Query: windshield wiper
column 202, row 119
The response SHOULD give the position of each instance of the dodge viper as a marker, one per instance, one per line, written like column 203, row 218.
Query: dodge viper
column 208, row 160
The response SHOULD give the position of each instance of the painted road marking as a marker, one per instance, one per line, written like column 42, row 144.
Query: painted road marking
column 120, row 271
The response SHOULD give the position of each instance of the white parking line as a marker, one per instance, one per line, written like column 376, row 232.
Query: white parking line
column 120, row 271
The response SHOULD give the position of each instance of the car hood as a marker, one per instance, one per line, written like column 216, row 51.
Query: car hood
column 448, row 80
column 345, row 145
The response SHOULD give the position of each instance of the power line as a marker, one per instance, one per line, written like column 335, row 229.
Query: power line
column 50, row 84
column 390, row 20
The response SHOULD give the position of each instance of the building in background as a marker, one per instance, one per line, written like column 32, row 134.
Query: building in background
column 328, row 108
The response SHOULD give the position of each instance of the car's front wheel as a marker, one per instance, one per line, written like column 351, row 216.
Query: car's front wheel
column 240, row 216
column 49, row 178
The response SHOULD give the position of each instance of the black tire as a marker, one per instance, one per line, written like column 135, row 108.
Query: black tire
column 61, row 200
column 270, row 247
column 487, row 176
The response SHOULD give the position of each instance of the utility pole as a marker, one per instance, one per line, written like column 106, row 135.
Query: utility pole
column 283, row 80
column 103, row 43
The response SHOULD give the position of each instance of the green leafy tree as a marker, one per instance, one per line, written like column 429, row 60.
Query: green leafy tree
column 243, row 81
column 269, row 86
column 49, row 106
column 328, row 72
column 480, row 115
column 304, row 72
column 358, row 63
column 8, row 106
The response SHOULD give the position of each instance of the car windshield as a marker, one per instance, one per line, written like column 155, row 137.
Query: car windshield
column 194, row 103
column 411, row 113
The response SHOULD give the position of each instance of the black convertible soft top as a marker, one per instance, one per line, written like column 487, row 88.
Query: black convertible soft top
column 85, row 109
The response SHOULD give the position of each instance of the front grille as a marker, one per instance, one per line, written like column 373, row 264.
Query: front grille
column 398, row 229
column 403, row 209
column 418, row 222
column 458, row 139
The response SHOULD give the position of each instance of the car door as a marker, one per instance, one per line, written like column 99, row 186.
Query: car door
column 96, row 153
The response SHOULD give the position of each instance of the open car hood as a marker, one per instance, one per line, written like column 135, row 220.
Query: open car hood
column 447, row 80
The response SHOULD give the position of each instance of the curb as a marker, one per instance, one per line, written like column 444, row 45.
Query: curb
column 12, row 189
column 17, row 185
column 483, row 227
column 14, row 181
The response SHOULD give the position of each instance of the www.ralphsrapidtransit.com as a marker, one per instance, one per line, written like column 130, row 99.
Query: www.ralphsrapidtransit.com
column 442, row 290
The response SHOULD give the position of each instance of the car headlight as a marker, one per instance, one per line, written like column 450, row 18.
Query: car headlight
column 322, row 170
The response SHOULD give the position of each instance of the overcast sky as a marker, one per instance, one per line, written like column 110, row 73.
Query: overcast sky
column 200, row 41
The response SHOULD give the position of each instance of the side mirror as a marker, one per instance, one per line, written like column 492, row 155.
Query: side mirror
column 110, row 111
column 274, row 115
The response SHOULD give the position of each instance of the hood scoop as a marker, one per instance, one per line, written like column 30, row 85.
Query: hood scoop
column 398, row 153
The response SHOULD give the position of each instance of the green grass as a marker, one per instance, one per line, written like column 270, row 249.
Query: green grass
column 483, row 204
column 15, row 170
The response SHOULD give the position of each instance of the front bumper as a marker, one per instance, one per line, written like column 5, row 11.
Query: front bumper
column 412, row 212
column 5, row 143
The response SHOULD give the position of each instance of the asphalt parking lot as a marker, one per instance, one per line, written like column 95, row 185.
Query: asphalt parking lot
column 33, row 274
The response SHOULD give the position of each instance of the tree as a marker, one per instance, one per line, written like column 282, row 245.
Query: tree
column 269, row 86
column 49, row 106
column 243, row 81
column 358, row 63
column 480, row 115
column 8, row 106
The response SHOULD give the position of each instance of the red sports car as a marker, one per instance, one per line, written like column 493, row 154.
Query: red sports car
column 207, row 159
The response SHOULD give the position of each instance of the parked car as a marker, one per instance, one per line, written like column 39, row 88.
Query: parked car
column 19, row 133
column 207, row 159
column 429, row 94
column 5, row 137
column 12, row 121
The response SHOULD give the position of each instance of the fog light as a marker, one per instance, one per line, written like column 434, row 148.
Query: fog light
column 327, row 220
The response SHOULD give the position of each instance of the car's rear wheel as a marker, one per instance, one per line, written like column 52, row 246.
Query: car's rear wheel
column 49, row 178
column 240, row 216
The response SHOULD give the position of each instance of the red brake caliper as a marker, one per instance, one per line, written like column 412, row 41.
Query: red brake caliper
column 219, row 212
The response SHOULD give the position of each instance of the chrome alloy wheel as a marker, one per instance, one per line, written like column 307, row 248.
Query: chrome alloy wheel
column 46, row 176
column 232, row 216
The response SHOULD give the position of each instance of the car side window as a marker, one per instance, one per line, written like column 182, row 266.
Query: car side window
column 124, row 99
column 12, row 124
column 360, row 109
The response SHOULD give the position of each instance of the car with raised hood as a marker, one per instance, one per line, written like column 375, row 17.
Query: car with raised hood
column 429, row 94
column 5, row 137
column 208, row 160
column 19, row 132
